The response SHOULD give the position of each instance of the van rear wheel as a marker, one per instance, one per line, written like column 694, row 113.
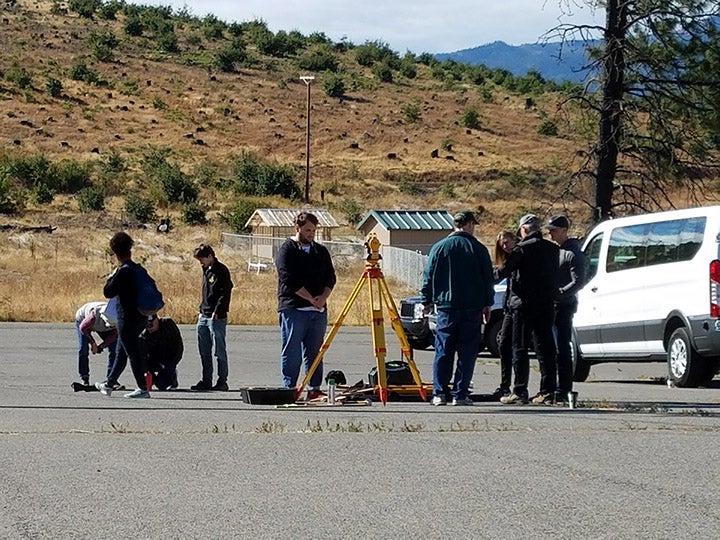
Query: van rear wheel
column 581, row 368
column 686, row 367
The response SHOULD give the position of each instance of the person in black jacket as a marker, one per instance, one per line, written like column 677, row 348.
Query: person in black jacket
column 212, row 319
column 130, row 322
column 533, row 267
column 306, row 278
column 571, row 280
column 164, row 347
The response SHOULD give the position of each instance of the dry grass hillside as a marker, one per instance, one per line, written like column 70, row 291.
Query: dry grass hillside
column 366, row 150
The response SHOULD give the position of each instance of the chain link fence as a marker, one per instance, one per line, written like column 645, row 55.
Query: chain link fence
column 258, row 251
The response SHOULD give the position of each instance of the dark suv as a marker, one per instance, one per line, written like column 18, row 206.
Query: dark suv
column 420, row 330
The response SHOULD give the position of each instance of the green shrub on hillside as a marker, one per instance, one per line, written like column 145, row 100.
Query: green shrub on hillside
column 19, row 76
column 351, row 210
column 212, row 27
column 11, row 199
column 548, row 128
column 470, row 119
column 334, row 86
column 133, row 26
column 80, row 72
column 85, row 8
column 42, row 194
column 411, row 112
column 90, row 199
column 238, row 214
column 317, row 61
column 254, row 176
column 194, row 213
column 383, row 72
column 140, row 208
column 53, row 87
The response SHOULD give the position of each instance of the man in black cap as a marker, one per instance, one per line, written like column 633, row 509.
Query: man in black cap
column 458, row 279
column 570, row 281
column 533, row 264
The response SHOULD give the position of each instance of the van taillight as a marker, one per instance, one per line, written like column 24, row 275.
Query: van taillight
column 715, row 288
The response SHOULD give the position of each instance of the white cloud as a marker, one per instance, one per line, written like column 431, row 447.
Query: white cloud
column 416, row 25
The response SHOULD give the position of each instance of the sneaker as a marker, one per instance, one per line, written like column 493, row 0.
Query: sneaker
column 201, row 386
column 501, row 393
column 104, row 389
column 461, row 401
column 543, row 398
column 439, row 400
column 315, row 393
column 85, row 382
column 138, row 393
column 221, row 387
column 514, row 399
column 118, row 386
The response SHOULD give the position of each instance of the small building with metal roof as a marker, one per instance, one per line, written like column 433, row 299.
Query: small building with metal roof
column 267, row 225
column 417, row 230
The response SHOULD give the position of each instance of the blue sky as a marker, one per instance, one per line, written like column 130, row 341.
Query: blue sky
column 416, row 25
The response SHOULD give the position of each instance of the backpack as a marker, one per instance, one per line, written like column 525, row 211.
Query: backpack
column 149, row 298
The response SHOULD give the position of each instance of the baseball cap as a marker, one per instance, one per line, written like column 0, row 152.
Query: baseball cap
column 527, row 218
column 463, row 216
column 558, row 222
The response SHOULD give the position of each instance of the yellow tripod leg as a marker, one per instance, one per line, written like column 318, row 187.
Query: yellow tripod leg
column 378, row 337
column 328, row 339
column 402, row 338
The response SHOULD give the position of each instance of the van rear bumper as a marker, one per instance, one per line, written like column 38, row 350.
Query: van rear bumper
column 706, row 335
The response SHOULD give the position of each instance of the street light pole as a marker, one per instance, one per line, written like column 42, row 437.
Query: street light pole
column 307, row 79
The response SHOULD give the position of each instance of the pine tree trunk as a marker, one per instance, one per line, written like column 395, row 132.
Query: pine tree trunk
column 610, row 128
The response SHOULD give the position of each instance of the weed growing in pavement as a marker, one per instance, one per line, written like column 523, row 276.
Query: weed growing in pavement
column 225, row 429
column 359, row 427
column 271, row 426
column 475, row 426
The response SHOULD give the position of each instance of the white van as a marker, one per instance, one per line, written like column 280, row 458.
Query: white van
column 652, row 294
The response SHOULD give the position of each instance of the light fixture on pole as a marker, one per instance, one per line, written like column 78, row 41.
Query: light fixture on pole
column 307, row 79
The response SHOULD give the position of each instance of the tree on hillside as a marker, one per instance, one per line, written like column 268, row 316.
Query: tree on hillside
column 657, row 103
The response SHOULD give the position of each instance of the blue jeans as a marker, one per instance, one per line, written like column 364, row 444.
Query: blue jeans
column 457, row 331
column 211, row 332
column 129, row 346
column 84, row 353
column 302, row 334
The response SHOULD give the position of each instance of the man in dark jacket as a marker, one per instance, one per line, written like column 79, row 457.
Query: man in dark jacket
column 458, row 279
column 570, row 281
column 533, row 265
column 306, row 278
column 212, row 320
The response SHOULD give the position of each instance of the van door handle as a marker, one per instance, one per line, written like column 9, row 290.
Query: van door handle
column 594, row 289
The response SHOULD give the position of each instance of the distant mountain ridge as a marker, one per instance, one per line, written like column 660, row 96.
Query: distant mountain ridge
column 552, row 61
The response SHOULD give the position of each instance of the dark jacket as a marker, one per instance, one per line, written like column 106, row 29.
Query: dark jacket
column 296, row 269
column 122, row 284
column 533, row 265
column 571, row 271
column 216, row 290
column 458, row 274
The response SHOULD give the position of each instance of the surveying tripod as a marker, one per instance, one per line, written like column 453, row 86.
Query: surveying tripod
column 379, row 293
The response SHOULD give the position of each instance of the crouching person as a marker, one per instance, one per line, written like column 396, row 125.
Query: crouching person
column 164, row 347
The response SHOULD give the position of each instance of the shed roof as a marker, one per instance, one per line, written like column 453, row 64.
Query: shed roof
column 409, row 220
column 285, row 217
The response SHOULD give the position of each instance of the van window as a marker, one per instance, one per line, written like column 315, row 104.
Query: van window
column 592, row 257
column 655, row 243
column 691, row 237
column 626, row 248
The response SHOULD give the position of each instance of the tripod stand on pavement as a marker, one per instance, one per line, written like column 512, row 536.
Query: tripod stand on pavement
column 379, row 294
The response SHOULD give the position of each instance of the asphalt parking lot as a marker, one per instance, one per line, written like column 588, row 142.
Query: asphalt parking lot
column 636, row 459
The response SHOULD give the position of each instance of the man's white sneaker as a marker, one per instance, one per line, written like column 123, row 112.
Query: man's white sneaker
column 463, row 401
column 439, row 400
column 138, row 393
column 105, row 390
